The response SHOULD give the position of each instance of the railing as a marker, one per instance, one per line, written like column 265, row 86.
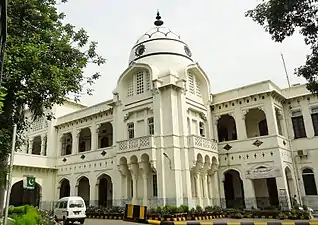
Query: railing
column 136, row 143
column 202, row 143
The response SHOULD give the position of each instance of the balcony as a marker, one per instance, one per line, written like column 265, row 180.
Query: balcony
column 136, row 144
column 23, row 159
column 88, row 156
column 255, row 143
column 202, row 143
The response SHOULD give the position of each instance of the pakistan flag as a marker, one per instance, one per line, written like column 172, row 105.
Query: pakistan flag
column 30, row 183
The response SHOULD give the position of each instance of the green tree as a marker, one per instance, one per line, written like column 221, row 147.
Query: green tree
column 44, row 63
column 281, row 18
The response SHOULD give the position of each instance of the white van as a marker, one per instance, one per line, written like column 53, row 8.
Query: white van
column 70, row 209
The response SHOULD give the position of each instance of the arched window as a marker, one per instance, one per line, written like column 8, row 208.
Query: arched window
column 309, row 182
column 138, row 83
column 194, row 84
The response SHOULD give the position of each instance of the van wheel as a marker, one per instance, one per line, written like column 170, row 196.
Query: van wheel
column 82, row 221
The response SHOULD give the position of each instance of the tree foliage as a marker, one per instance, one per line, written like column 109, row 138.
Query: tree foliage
column 281, row 18
column 44, row 63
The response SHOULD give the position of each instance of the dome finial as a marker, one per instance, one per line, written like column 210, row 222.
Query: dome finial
column 158, row 21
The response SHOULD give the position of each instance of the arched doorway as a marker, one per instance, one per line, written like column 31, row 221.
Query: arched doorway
column 65, row 188
column 83, row 189
column 105, row 191
column 233, row 190
column 20, row 196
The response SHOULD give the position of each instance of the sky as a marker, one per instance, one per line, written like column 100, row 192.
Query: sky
column 232, row 49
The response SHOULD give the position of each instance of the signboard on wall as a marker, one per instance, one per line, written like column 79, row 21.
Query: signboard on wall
column 262, row 173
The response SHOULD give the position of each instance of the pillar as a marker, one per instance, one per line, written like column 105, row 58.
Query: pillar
column 30, row 146
column 205, row 188
column 75, row 136
column 134, row 174
column 198, row 188
column 97, row 193
column 146, row 177
column 239, row 117
column 249, row 193
column 94, row 135
column 43, row 140
column 92, row 192
column 146, row 171
column 283, row 196
column 270, row 114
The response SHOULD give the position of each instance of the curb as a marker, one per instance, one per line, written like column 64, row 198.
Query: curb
column 155, row 222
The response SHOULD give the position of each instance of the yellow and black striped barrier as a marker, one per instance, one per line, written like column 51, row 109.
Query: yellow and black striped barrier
column 156, row 222
column 136, row 213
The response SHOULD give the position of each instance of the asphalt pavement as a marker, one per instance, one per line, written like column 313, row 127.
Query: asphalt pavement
column 121, row 222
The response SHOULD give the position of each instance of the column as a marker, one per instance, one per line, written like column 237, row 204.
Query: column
column 283, row 196
column 205, row 188
column 198, row 188
column 94, row 135
column 146, row 171
column 124, row 175
column 145, row 176
column 43, row 140
column 30, row 146
column 134, row 174
column 92, row 192
column 75, row 136
column 270, row 114
column 249, row 192
column 239, row 117
column 306, row 112
column 97, row 193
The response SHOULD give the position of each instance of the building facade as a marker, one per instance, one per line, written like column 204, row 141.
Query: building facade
column 166, row 139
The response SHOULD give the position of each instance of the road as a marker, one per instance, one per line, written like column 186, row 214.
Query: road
column 120, row 222
column 106, row 222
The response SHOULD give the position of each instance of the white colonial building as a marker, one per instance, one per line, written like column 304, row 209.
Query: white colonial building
column 166, row 139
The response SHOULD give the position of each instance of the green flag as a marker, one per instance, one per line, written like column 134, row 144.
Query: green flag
column 30, row 183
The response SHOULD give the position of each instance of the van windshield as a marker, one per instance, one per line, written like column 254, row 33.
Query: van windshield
column 76, row 204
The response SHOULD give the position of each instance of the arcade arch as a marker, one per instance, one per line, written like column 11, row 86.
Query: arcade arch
column 256, row 123
column 202, row 176
column 85, row 140
column 65, row 188
column 138, row 178
column 233, row 189
column 83, row 189
column 21, row 196
column 105, row 135
column 105, row 190
column 226, row 128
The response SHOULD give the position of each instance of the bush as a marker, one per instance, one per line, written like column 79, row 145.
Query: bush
column 25, row 215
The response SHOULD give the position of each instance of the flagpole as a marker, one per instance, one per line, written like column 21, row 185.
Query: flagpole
column 5, row 218
column 287, row 77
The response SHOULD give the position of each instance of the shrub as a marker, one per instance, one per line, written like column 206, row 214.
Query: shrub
column 25, row 215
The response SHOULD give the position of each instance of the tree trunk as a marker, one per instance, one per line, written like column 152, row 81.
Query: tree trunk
column 3, row 182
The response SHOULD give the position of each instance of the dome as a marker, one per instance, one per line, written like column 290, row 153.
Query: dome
column 160, row 41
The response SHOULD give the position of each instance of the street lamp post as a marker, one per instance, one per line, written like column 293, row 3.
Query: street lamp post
column 5, row 218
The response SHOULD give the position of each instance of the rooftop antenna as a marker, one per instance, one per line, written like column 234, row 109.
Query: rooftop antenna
column 287, row 77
